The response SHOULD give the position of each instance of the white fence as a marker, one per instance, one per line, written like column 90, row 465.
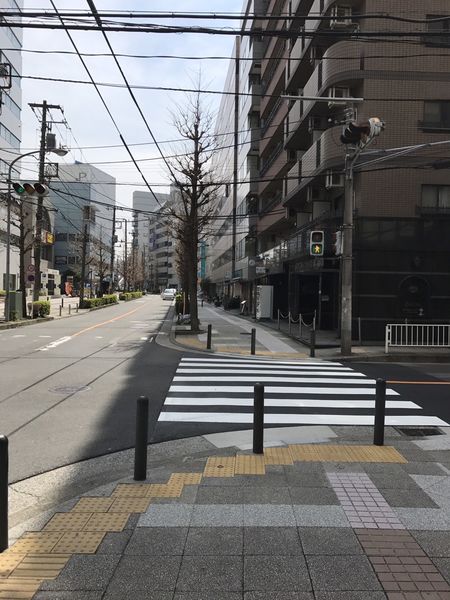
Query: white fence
column 403, row 335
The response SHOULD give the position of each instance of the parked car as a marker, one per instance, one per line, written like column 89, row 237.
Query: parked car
column 168, row 294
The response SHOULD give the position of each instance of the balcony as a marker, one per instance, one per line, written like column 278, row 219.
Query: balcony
column 294, row 177
column 268, row 162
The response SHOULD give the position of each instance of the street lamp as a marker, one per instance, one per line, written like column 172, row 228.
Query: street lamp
column 59, row 152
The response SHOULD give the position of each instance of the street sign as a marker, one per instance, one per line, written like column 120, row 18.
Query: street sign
column 30, row 268
column 30, row 278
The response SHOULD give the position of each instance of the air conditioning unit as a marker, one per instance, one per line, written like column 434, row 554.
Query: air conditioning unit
column 315, row 124
column 341, row 17
column 312, row 194
column 334, row 180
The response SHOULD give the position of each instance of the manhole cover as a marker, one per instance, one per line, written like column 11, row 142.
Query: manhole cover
column 69, row 389
column 419, row 431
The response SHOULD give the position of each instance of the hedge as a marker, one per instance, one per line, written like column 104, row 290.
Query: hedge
column 129, row 295
column 41, row 308
column 2, row 293
column 103, row 301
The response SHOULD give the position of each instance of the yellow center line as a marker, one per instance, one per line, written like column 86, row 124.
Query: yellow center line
column 105, row 322
column 419, row 382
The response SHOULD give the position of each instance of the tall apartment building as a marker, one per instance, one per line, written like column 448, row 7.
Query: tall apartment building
column 83, row 195
column 10, row 134
column 401, row 206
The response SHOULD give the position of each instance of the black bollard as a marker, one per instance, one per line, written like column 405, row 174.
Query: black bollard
column 140, row 452
column 208, row 338
column 60, row 310
column 258, row 419
column 3, row 493
column 380, row 412
column 312, row 346
column 253, row 341
column 70, row 309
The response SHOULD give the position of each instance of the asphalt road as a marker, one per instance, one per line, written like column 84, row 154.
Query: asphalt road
column 69, row 387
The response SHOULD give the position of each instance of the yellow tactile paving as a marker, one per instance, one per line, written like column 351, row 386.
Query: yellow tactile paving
column 185, row 478
column 36, row 542
column 71, row 521
column 93, row 505
column 8, row 562
column 19, row 587
column 138, row 490
column 217, row 466
column 278, row 456
column 342, row 453
column 163, row 490
column 110, row 521
column 79, row 542
column 249, row 464
column 41, row 566
column 129, row 505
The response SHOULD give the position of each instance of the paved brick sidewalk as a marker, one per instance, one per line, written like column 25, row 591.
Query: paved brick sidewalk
column 336, row 521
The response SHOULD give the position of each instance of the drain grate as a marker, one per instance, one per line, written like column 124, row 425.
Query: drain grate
column 419, row 431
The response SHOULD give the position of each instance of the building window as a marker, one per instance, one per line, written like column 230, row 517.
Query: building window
column 436, row 115
column 437, row 27
column 61, row 237
column 435, row 199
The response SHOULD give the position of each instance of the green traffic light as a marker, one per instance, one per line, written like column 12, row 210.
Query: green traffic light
column 18, row 188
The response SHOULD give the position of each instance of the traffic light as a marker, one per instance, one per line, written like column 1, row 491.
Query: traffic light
column 362, row 133
column 316, row 243
column 30, row 189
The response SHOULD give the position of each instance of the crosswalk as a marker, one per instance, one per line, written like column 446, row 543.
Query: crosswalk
column 220, row 390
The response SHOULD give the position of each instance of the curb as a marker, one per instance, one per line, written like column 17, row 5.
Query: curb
column 16, row 324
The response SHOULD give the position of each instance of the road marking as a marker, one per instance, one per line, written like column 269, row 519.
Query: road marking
column 300, row 419
column 144, row 339
column 98, row 337
column 270, row 389
column 265, row 371
column 105, row 322
column 62, row 340
column 45, row 336
column 291, row 403
column 264, row 379
column 419, row 382
column 18, row 335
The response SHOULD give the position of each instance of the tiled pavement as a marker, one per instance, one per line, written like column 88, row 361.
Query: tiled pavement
column 303, row 522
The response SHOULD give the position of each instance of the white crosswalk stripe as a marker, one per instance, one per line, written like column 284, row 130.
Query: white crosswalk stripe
column 208, row 390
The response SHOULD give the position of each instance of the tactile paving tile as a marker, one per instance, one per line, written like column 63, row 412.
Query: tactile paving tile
column 18, row 587
column 38, row 542
column 42, row 566
column 111, row 521
column 363, row 504
column 165, row 490
column 247, row 464
column 8, row 562
column 342, row 453
column 79, row 542
column 217, row 466
column 93, row 505
column 130, row 490
column 278, row 456
column 67, row 521
column 185, row 478
column 129, row 505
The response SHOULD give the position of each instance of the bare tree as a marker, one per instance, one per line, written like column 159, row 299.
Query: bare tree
column 193, row 178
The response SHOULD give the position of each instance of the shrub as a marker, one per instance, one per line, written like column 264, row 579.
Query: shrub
column 41, row 308
column 2, row 293
column 129, row 296
column 103, row 301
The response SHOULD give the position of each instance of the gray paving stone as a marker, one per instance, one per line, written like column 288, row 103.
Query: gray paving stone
column 443, row 565
column 306, row 467
column 84, row 572
column 414, row 454
column 157, row 541
column 313, row 495
column 214, row 541
column 207, row 595
column 268, row 515
column 336, row 467
column 432, row 519
column 342, row 573
column 391, row 469
column 68, row 596
column 423, row 468
column 272, row 541
column 156, row 573
column 132, row 521
column 261, row 495
column 210, row 573
column 306, row 479
column 270, row 479
column 115, row 543
column 329, row 540
column 137, row 595
column 399, row 481
column 276, row 574
column 411, row 498
column 320, row 516
column 209, row 515
column 188, row 496
column 278, row 596
column 434, row 543
column 166, row 515
column 350, row 596
column 219, row 495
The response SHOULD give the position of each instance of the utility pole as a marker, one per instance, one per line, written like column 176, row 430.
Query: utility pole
column 113, row 242
column 83, row 263
column 235, row 159
column 40, row 201
column 125, row 262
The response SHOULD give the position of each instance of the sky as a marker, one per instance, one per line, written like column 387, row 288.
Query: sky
column 86, row 116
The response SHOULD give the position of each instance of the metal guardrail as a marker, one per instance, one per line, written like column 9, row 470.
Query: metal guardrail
column 410, row 335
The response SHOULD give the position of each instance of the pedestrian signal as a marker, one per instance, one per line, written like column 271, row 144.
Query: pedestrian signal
column 316, row 243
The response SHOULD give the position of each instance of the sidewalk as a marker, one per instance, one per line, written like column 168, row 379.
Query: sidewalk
column 322, row 515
